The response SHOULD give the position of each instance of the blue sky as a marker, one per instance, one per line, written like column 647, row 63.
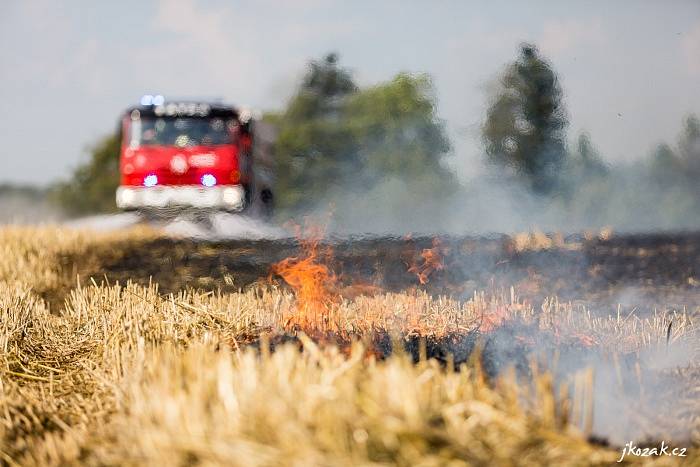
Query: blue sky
column 630, row 69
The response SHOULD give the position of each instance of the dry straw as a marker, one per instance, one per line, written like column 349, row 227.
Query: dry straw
column 121, row 374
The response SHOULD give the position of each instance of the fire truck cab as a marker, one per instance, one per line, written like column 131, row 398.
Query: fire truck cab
column 192, row 155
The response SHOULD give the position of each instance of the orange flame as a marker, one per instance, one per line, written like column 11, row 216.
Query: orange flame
column 432, row 261
column 313, row 284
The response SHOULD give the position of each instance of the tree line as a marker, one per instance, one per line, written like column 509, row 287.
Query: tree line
column 334, row 136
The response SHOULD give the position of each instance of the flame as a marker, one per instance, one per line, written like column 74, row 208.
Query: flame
column 432, row 261
column 314, row 285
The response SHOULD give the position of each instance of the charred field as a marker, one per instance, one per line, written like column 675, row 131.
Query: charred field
column 134, row 347
column 645, row 271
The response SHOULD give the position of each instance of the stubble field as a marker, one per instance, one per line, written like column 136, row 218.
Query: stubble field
column 135, row 348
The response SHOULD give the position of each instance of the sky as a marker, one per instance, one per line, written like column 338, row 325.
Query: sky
column 630, row 70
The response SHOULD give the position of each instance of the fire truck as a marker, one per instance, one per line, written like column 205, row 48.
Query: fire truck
column 193, row 155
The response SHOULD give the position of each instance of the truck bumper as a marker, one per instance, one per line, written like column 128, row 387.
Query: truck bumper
column 225, row 197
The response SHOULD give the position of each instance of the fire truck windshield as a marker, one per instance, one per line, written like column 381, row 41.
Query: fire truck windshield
column 181, row 131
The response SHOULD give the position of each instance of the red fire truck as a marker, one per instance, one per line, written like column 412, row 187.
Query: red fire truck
column 193, row 155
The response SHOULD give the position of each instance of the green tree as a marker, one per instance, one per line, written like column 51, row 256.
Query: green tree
column 333, row 135
column 313, row 148
column 526, row 122
column 92, row 186
column 399, row 135
column 325, row 79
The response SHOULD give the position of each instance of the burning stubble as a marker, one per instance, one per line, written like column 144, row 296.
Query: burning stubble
column 616, row 376
column 313, row 283
column 626, row 387
column 431, row 261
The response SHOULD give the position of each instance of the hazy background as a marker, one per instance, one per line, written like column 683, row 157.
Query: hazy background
column 630, row 70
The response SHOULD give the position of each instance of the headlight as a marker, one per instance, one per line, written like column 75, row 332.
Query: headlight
column 150, row 180
column 208, row 180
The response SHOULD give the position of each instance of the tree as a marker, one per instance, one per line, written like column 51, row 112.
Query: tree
column 93, row 184
column 682, row 164
column 334, row 137
column 586, row 159
column 689, row 147
column 526, row 122
column 313, row 149
column 326, row 79
column 665, row 164
column 399, row 134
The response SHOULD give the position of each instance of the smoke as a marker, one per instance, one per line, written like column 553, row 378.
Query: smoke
column 527, row 176
column 209, row 226
column 644, row 396
column 105, row 222
column 638, row 393
column 625, row 199
column 223, row 226
column 26, row 205
column 641, row 393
